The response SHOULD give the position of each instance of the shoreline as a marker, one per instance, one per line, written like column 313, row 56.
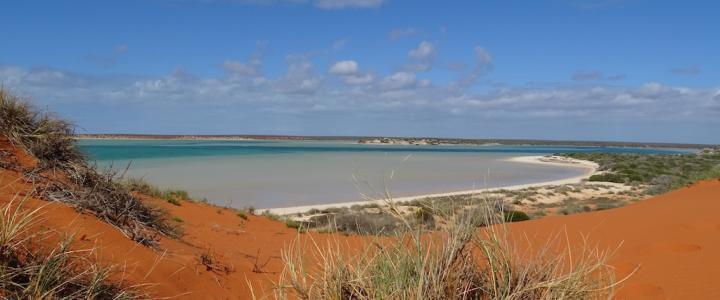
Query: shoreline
column 590, row 169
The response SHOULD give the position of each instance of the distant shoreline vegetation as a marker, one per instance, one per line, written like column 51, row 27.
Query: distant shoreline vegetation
column 402, row 140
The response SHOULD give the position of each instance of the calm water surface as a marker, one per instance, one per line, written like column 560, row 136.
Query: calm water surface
column 268, row 174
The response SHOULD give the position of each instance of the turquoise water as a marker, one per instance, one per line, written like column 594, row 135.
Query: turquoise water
column 269, row 174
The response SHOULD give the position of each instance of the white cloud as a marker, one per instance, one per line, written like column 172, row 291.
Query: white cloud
column 400, row 96
column 359, row 79
column 344, row 67
column 424, row 51
column 423, row 55
column 341, row 4
column 399, row 80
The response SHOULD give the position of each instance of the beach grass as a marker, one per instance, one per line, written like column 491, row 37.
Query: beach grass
column 62, row 272
column 458, row 262
column 50, row 141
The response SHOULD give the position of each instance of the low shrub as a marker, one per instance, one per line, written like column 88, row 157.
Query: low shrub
column 515, row 216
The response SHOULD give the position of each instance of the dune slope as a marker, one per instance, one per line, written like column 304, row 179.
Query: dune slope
column 674, row 239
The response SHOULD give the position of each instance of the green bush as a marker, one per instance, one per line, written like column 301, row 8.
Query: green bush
column 515, row 216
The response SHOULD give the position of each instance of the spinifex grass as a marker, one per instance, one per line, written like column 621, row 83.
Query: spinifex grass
column 51, row 141
column 28, row 271
column 460, row 262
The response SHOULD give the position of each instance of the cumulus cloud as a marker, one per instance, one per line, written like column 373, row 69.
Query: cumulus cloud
column 398, row 33
column 400, row 96
column 349, row 72
column 341, row 4
column 423, row 55
column 399, row 80
column 359, row 79
column 344, row 67
column 424, row 51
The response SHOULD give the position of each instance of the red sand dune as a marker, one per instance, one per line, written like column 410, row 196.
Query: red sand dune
column 673, row 238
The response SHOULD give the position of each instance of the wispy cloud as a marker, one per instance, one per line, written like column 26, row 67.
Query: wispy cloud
column 107, row 60
column 343, row 4
column 398, row 33
column 687, row 70
column 593, row 75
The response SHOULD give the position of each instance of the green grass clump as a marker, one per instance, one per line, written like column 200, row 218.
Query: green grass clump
column 178, row 219
column 293, row 224
column 515, row 216
column 140, row 185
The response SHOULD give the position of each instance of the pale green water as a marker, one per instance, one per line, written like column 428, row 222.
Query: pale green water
column 269, row 174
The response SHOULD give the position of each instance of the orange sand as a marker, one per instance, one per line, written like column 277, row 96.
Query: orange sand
column 674, row 238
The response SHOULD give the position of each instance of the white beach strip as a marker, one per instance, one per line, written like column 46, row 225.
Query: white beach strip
column 590, row 167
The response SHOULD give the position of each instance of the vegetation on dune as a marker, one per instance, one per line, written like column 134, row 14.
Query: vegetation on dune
column 28, row 272
column 47, row 138
column 50, row 140
column 172, row 196
column 661, row 172
column 464, row 262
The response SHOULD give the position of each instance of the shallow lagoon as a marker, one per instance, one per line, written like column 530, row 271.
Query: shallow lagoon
column 268, row 174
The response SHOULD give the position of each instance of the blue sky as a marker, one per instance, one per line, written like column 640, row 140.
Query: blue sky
column 566, row 69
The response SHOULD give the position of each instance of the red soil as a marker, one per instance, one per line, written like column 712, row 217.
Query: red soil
column 673, row 238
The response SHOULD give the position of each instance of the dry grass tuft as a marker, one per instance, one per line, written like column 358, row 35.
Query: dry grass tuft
column 51, row 141
column 47, row 138
column 460, row 262
column 60, row 273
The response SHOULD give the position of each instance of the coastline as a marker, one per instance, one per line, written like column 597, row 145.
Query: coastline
column 590, row 169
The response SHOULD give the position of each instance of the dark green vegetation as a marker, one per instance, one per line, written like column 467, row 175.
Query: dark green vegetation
column 51, row 141
column 661, row 173
column 141, row 186
column 515, row 216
